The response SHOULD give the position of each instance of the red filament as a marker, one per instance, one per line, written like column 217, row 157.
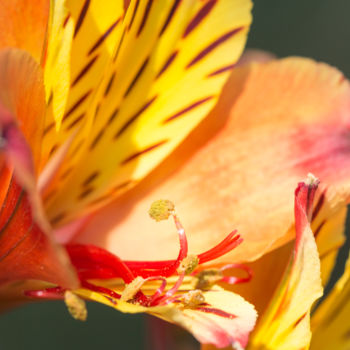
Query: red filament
column 92, row 262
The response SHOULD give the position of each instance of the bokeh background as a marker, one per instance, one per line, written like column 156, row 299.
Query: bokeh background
column 319, row 29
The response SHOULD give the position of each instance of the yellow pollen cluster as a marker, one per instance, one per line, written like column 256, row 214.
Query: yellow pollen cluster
column 76, row 306
column 132, row 288
column 188, row 264
column 208, row 278
column 161, row 209
column 193, row 298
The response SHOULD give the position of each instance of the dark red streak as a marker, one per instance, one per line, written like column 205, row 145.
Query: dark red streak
column 213, row 46
column 202, row 13
column 104, row 36
column 187, row 109
column 81, row 17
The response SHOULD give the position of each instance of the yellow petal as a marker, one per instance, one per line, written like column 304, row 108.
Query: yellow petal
column 330, row 323
column 283, row 119
column 330, row 236
column 269, row 268
column 166, row 75
column 285, row 325
column 57, row 64
column 206, row 327
column 83, row 36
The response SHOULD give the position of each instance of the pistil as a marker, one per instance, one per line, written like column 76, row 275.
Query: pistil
column 94, row 263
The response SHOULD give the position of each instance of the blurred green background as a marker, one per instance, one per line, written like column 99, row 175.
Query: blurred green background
column 314, row 28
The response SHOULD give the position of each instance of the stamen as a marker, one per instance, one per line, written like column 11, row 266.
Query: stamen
column 89, row 257
column 237, row 280
column 193, row 298
column 166, row 298
column 100, row 289
column 76, row 306
column 225, row 246
column 188, row 264
column 97, row 273
column 159, row 291
column 207, row 278
column 154, row 268
column 132, row 289
column 93, row 262
column 168, row 267
column 161, row 209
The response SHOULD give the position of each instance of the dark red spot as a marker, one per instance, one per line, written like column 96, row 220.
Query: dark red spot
column 299, row 320
column 97, row 139
column 112, row 117
column 76, row 105
column 202, row 13
column 85, row 69
column 49, row 128
column 119, row 46
column 137, row 76
column 134, row 14
column 66, row 20
column 187, row 109
column 109, row 85
column 318, row 205
column 217, row 312
column 66, row 173
column 53, row 150
column 86, row 192
column 104, row 36
column 81, row 17
column 75, row 122
column 167, row 64
column 170, row 16
column 58, row 218
column 90, row 178
column 213, row 46
column 221, row 70
column 145, row 16
column 144, row 151
column 134, row 117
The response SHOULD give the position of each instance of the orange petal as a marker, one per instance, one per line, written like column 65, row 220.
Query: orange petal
column 286, row 323
column 285, row 118
column 269, row 268
column 23, row 24
column 22, row 95
column 26, row 251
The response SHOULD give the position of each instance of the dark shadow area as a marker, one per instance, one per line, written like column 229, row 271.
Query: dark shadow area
column 319, row 29
column 49, row 326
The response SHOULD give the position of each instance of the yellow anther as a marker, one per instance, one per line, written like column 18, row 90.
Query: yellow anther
column 76, row 306
column 132, row 288
column 188, row 264
column 208, row 278
column 161, row 209
column 311, row 180
column 193, row 298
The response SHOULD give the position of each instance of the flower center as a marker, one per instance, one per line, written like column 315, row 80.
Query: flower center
column 93, row 263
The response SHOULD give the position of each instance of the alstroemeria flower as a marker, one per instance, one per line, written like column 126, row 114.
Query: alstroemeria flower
column 119, row 87
column 92, row 98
